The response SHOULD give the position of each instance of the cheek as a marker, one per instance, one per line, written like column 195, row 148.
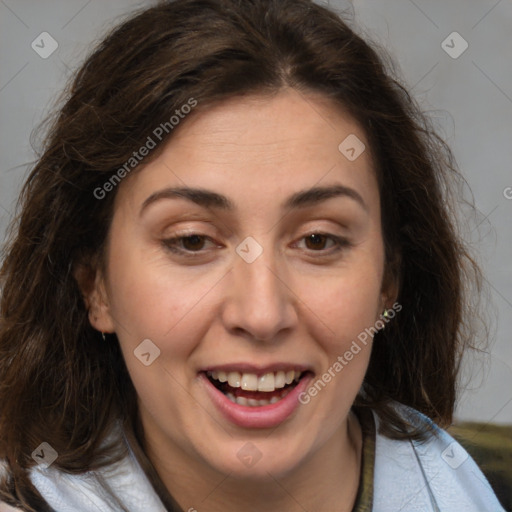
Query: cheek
column 358, row 299
column 346, row 304
column 347, row 308
column 147, row 297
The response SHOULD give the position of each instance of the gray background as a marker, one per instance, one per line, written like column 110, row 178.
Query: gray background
column 469, row 98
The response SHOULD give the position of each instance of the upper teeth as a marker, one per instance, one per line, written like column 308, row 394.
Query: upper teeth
column 252, row 382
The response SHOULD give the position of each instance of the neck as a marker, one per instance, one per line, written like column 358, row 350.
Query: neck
column 324, row 481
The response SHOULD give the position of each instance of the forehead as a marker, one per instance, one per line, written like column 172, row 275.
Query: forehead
column 261, row 147
column 281, row 126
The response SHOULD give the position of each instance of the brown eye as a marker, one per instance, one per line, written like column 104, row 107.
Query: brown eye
column 324, row 244
column 192, row 245
column 193, row 242
column 316, row 241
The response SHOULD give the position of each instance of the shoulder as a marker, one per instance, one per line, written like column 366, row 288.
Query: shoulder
column 432, row 475
column 119, row 486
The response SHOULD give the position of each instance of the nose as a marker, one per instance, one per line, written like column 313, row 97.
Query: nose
column 260, row 304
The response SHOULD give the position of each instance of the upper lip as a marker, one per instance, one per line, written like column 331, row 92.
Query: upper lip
column 257, row 369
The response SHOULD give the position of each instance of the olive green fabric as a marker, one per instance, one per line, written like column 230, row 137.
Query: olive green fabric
column 364, row 498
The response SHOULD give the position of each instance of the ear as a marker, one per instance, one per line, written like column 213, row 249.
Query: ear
column 92, row 286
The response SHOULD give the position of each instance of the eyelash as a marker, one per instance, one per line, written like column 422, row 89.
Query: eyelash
column 172, row 244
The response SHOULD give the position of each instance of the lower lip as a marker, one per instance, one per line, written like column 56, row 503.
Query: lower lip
column 265, row 416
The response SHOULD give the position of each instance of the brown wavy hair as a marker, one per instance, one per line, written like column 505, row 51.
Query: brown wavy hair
column 59, row 381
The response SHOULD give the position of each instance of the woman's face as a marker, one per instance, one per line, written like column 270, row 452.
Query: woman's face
column 250, row 248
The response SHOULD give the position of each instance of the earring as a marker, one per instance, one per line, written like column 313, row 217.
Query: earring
column 103, row 336
column 385, row 317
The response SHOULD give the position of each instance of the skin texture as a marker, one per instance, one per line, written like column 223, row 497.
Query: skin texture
column 298, row 302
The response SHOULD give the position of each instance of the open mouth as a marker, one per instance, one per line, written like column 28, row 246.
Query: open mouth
column 252, row 390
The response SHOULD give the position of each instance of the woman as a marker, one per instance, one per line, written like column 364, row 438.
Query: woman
column 235, row 281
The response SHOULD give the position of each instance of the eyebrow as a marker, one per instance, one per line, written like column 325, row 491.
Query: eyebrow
column 315, row 195
column 209, row 199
